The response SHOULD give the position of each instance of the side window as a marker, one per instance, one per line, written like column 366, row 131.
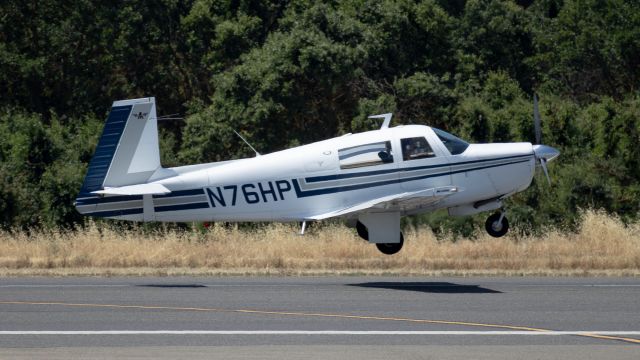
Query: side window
column 366, row 155
column 416, row 148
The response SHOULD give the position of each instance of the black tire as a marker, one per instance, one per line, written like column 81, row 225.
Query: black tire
column 493, row 228
column 391, row 248
column 363, row 232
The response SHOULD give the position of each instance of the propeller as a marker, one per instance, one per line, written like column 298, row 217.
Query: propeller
column 543, row 153
column 536, row 119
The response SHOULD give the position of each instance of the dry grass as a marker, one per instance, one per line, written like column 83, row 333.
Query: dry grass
column 603, row 246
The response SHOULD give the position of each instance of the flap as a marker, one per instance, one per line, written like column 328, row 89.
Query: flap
column 140, row 189
column 395, row 201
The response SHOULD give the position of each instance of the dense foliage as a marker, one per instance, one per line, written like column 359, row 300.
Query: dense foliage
column 289, row 73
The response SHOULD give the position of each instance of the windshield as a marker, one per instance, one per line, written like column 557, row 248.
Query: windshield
column 454, row 144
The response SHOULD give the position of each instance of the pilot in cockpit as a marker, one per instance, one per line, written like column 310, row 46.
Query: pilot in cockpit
column 416, row 148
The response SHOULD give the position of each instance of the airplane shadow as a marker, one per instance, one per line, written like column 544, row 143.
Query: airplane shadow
column 429, row 287
column 173, row 286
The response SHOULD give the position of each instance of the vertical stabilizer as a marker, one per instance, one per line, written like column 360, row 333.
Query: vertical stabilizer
column 128, row 151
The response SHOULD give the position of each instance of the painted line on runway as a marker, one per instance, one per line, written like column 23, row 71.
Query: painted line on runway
column 312, row 314
column 312, row 332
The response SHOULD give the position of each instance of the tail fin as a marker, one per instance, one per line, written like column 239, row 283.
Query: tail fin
column 128, row 151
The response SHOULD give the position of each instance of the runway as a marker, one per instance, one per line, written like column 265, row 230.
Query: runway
column 343, row 317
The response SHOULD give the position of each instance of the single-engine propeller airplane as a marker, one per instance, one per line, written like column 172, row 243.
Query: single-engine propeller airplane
column 370, row 179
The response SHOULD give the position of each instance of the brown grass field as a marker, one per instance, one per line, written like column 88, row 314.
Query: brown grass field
column 603, row 246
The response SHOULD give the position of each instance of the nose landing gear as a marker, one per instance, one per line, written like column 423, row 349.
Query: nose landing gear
column 497, row 224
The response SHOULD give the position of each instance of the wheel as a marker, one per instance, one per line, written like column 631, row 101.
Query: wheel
column 391, row 248
column 494, row 228
column 363, row 232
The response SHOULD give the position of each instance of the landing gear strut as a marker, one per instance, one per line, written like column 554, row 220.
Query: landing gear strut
column 497, row 224
column 385, row 248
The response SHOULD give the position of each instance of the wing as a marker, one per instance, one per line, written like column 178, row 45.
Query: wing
column 396, row 202
column 140, row 189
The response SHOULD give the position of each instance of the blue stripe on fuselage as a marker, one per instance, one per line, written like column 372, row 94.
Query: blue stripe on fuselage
column 199, row 205
column 125, row 198
column 300, row 193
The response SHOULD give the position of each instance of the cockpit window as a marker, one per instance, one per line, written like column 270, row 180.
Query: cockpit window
column 416, row 148
column 366, row 155
column 454, row 144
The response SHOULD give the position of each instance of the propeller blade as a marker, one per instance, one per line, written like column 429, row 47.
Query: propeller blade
column 543, row 164
column 536, row 119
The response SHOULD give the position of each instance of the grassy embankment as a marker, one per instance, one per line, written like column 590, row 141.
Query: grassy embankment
column 602, row 246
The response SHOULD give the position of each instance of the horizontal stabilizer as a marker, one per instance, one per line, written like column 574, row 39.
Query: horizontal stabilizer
column 140, row 189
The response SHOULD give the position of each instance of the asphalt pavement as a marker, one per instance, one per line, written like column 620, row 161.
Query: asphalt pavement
column 320, row 317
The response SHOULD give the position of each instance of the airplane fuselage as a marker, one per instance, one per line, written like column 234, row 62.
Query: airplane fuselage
column 297, row 183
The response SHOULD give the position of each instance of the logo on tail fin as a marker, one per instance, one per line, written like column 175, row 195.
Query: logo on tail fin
column 140, row 115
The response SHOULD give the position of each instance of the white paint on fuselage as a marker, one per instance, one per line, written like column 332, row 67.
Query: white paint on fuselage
column 495, row 181
column 321, row 159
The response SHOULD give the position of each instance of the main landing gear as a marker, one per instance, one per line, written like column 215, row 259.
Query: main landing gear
column 385, row 248
column 497, row 224
column 391, row 248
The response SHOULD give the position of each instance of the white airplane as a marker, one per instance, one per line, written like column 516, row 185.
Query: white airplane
column 371, row 179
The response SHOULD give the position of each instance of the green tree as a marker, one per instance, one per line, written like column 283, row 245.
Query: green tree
column 591, row 48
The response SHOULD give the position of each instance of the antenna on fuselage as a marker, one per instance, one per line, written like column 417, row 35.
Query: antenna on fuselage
column 386, row 117
column 169, row 117
column 246, row 142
